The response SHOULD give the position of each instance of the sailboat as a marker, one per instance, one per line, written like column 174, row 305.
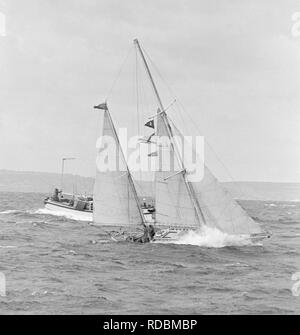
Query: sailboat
column 69, row 204
column 181, row 203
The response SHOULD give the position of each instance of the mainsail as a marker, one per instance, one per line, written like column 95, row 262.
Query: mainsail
column 173, row 202
column 115, row 198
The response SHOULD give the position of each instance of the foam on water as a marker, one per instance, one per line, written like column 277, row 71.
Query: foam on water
column 7, row 246
column 213, row 238
column 18, row 211
column 10, row 211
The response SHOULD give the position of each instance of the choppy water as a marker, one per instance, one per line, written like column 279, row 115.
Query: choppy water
column 57, row 265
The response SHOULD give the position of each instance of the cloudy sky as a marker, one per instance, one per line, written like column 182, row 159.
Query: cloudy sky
column 234, row 65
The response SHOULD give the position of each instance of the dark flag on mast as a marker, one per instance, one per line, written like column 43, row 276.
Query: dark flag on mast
column 153, row 154
column 102, row 106
column 150, row 124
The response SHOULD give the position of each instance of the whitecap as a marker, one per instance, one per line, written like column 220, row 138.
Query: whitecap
column 10, row 211
column 212, row 238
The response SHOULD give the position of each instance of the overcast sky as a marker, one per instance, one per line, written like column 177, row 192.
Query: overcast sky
column 234, row 65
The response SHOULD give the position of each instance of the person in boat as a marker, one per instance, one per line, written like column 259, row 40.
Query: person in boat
column 148, row 235
column 151, row 232
column 144, row 203
column 151, row 208
column 55, row 196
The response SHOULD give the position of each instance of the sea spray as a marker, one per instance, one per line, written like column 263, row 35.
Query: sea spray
column 212, row 238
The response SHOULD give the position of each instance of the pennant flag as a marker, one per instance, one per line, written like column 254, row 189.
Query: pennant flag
column 150, row 124
column 102, row 106
column 152, row 154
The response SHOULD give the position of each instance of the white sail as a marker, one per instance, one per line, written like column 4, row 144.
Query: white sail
column 115, row 201
column 173, row 203
column 219, row 209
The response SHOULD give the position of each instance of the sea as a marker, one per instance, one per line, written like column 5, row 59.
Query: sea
column 51, row 264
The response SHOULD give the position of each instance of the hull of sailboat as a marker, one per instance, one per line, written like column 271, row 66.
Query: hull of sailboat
column 169, row 234
column 172, row 234
column 64, row 210
column 125, row 236
column 128, row 234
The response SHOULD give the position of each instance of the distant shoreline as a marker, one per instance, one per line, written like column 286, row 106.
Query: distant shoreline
column 44, row 182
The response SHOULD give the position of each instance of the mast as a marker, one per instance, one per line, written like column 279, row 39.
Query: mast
column 128, row 171
column 190, row 190
column 62, row 170
column 136, row 42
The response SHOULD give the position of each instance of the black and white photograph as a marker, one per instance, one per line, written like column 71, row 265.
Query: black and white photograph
column 149, row 160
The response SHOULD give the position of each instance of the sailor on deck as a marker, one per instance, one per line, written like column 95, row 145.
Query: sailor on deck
column 148, row 235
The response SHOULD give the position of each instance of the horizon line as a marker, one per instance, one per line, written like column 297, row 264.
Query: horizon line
column 229, row 181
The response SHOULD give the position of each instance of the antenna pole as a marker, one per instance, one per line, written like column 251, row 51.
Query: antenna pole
column 62, row 170
column 62, row 173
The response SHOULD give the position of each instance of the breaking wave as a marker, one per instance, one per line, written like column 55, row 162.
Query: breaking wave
column 213, row 238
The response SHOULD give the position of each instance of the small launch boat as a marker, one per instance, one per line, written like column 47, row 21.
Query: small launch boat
column 76, row 206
